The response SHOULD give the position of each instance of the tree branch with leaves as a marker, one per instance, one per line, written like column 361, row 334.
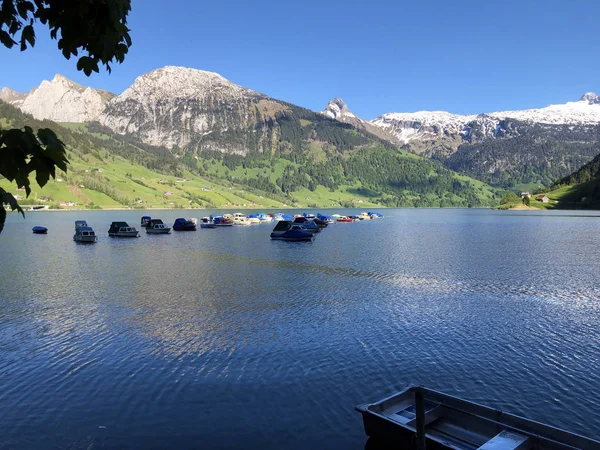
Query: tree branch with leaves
column 96, row 32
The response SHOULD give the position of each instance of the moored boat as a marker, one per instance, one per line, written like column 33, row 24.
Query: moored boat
column 122, row 229
column 418, row 417
column 364, row 216
column 240, row 219
column 207, row 222
column 182, row 224
column 344, row 219
column 288, row 231
column 307, row 224
column 253, row 219
column 375, row 215
column 80, row 223
column 39, row 230
column 222, row 221
column 85, row 234
column 157, row 226
column 145, row 220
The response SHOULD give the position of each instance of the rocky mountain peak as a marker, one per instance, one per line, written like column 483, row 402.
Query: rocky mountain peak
column 337, row 109
column 591, row 98
column 13, row 97
column 63, row 100
column 179, row 106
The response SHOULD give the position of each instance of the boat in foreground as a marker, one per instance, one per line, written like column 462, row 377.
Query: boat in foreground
column 182, row 224
column 39, row 230
column 418, row 417
column 157, row 226
column 122, row 229
column 288, row 231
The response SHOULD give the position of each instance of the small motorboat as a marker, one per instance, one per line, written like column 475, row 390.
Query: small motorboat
column 85, row 234
column 344, row 219
column 206, row 222
column 418, row 417
column 288, row 231
column 240, row 219
column 264, row 218
column 308, row 215
column 375, row 215
column 122, row 229
column 355, row 218
column 364, row 216
column 144, row 221
column 253, row 219
column 157, row 226
column 307, row 224
column 220, row 221
column 39, row 230
column 327, row 219
column 182, row 224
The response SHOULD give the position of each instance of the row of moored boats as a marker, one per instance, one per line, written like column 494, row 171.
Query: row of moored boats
column 299, row 227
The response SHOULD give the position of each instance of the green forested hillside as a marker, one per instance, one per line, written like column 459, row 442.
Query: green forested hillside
column 308, row 161
column 581, row 189
column 527, row 154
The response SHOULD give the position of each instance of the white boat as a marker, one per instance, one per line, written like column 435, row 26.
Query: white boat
column 207, row 222
column 83, row 233
column 423, row 418
column 157, row 226
column 240, row 219
column 122, row 229
column 364, row 216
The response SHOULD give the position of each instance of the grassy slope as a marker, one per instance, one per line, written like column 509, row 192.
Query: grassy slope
column 139, row 187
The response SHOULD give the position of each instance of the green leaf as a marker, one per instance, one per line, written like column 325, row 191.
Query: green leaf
column 6, row 40
column 28, row 35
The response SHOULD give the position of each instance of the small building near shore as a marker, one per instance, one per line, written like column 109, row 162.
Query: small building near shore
column 542, row 198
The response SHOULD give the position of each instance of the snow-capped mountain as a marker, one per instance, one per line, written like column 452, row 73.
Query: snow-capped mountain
column 60, row 100
column 434, row 125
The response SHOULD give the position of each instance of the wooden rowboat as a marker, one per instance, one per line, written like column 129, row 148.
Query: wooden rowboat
column 423, row 418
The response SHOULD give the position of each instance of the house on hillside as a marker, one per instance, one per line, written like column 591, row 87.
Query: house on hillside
column 542, row 198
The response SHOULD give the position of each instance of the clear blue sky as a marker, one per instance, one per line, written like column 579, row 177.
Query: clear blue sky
column 379, row 55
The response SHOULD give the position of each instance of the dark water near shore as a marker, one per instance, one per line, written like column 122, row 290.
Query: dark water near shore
column 225, row 339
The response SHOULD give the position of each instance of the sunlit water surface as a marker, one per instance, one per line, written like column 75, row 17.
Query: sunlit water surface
column 225, row 339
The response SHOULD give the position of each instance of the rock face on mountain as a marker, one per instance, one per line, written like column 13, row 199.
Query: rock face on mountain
column 12, row 97
column 338, row 110
column 591, row 98
column 177, row 106
column 60, row 100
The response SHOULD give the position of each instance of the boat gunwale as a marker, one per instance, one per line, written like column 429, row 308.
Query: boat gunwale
column 510, row 421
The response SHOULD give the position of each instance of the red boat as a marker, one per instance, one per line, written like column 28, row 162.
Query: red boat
column 345, row 219
column 182, row 224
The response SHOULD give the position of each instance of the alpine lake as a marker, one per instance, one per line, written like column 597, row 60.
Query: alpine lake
column 223, row 338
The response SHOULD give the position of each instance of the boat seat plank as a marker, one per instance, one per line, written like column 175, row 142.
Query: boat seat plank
column 507, row 440
column 430, row 416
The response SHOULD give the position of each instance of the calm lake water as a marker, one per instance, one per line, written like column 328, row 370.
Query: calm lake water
column 225, row 339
